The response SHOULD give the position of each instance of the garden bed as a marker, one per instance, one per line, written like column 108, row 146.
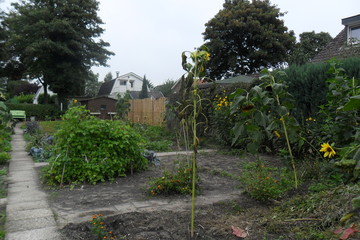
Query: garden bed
column 129, row 212
column 220, row 205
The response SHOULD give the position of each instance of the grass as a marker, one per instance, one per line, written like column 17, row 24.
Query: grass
column 50, row 127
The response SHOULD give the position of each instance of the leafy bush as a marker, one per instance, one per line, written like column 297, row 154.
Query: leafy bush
column 89, row 149
column 39, row 111
column 307, row 84
column 156, row 138
column 265, row 183
column 4, row 157
column 22, row 99
column 179, row 182
column 51, row 99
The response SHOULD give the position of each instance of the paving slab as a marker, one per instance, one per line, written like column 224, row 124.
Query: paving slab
column 28, row 215
column 29, row 224
column 48, row 233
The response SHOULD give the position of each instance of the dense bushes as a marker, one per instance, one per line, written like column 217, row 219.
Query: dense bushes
column 40, row 111
column 306, row 83
column 88, row 149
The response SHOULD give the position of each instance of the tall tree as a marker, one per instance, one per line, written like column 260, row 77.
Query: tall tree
column 55, row 39
column 309, row 46
column 108, row 77
column 245, row 37
column 144, row 89
column 92, row 84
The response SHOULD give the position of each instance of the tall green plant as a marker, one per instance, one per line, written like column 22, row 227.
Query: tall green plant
column 195, row 73
column 88, row 149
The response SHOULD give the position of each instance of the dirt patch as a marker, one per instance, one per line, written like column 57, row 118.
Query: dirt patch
column 130, row 212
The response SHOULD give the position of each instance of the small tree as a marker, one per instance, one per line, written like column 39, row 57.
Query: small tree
column 123, row 106
column 144, row 89
column 108, row 77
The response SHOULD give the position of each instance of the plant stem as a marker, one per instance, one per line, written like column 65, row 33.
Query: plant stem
column 287, row 138
column 194, row 155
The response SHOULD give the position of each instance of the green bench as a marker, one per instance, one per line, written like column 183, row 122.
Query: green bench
column 18, row 114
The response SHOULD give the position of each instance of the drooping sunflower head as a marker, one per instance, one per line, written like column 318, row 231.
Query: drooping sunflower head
column 247, row 108
column 328, row 150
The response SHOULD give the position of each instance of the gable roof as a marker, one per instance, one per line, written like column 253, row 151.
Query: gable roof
column 106, row 87
column 335, row 48
column 339, row 46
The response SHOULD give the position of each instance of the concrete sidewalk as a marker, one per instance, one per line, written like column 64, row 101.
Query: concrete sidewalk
column 28, row 215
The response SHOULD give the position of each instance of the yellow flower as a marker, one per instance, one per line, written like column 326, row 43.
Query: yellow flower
column 328, row 150
column 75, row 101
column 207, row 56
column 277, row 134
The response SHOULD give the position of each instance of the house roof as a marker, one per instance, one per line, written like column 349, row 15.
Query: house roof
column 339, row 46
column 106, row 88
column 237, row 79
column 154, row 93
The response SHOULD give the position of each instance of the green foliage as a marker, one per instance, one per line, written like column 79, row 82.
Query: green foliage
column 258, row 115
column 51, row 99
column 265, row 183
column 310, row 45
column 340, row 126
column 316, row 214
column 99, row 228
column 4, row 157
column 307, row 84
column 22, row 99
column 89, row 149
column 245, row 37
column 58, row 42
column 179, row 182
column 144, row 89
column 165, row 88
column 157, row 138
column 123, row 106
column 50, row 127
column 92, row 84
column 39, row 111
column 108, row 77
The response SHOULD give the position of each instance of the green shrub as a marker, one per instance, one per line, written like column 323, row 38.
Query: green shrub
column 39, row 111
column 51, row 99
column 265, row 183
column 307, row 84
column 179, row 182
column 22, row 99
column 4, row 157
column 89, row 149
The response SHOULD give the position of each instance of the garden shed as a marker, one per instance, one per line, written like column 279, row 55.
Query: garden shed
column 103, row 107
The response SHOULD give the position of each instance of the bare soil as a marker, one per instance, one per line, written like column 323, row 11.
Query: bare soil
column 220, row 205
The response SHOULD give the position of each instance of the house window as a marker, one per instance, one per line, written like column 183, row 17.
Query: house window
column 103, row 107
column 354, row 34
column 132, row 84
column 123, row 82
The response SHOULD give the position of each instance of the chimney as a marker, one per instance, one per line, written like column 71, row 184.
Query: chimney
column 117, row 74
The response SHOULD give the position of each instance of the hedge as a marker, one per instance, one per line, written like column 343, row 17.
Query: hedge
column 307, row 84
column 39, row 111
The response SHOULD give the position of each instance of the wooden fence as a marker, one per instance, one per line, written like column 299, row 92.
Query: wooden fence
column 148, row 111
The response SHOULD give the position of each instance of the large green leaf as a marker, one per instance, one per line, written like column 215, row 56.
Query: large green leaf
column 353, row 104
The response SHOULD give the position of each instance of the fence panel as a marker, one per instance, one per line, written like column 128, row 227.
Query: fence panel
column 147, row 111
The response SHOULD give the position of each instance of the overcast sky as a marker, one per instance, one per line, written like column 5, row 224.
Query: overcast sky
column 148, row 37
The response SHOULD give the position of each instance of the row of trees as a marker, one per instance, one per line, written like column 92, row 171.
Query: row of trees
column 58, row 41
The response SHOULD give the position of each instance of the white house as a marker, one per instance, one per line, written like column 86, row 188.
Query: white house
column 130, row 83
